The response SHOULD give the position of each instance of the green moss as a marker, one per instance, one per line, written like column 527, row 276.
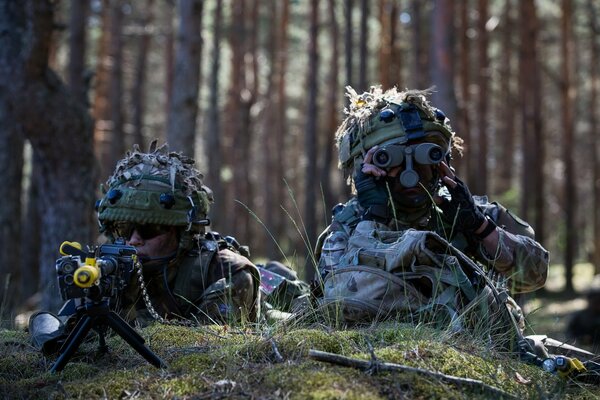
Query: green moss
column 111, row 384
column 311, row 381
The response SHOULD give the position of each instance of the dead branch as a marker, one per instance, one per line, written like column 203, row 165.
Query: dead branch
column 382, row 366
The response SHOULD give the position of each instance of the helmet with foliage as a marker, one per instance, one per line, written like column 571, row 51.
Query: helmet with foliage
column 158, row 187
column 377, row 117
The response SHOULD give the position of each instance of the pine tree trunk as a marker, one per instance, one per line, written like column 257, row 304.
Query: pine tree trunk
column 595, row 157
column 568, row 97
column 420, row 46
column 181, row 125
column 442, row 56
column 311, row 140
column 115, row 86
column 480, row 186
column 463, row 123
column 138, row 92
column 61, row 135
column 507, row 105
column 213, row 143
column 77, row 45
column 363, row 82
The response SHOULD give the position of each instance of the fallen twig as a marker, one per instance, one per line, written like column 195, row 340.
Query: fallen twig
column 276, row 353
column 382, row 366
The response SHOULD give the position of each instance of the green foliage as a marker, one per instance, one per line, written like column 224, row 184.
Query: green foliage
column 221, row 362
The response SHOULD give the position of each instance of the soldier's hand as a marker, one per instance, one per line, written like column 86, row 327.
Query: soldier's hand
column 371, row 193
column 460, row 211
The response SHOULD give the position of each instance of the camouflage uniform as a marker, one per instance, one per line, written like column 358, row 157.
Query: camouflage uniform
column 370, row 236
column 206, row 279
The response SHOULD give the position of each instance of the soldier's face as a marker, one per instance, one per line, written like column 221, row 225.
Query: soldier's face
column 161, row 245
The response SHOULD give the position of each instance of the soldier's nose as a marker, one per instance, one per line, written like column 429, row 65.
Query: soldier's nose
column 135, row 239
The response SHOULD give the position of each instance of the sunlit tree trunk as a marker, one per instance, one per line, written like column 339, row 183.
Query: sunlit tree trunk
column 331, row 111
column 480, row 185
column 181, row 122
column 348, row 42
column 507, row 109
column 363, row 83
column 311, row 138
column 389, row 57
column 420, row 47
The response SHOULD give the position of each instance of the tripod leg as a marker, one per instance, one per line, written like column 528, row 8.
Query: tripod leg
column 133, row 338
column 72, row 343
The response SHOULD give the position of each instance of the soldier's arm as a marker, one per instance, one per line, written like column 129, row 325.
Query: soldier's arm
column 512, row 250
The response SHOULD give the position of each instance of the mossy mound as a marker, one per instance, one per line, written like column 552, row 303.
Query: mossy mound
column 217, row 362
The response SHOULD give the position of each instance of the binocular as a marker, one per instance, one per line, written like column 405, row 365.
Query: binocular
column 395, row 154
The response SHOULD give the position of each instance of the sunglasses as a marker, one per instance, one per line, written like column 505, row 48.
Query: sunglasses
column 145, row 231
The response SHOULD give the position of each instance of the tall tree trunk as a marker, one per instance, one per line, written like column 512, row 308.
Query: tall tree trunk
column 507, row 105
column 76, row 68
column 281, row 122
column 480, row 186
column 11, row 165
column 568, row 122
column 138, row 92
column 311, row 139
column 213, row 132
column 442, row 56
column 100, row 108
column 464, row 163
column 363, row 82
column 331, row 111
column 115, row 87
column 389, row 57
column 31, row 231
column 595, row 157
column 169, row 56
column 181, row 123
column 61, row 135
column 419, row 42
column 348, row 42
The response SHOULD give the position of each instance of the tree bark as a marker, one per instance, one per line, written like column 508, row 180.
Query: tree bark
column 331, row 112
column 115, row 86
column 181, row 124
column 138, row 92
column 568, row 125
column 442, row 56
column 464, row 163
column 311, row 140
column 595, row 157
column 100, row 107
column 348, row 42
column 363, row 83
column 60, row 136
column 76, row 68
column 507, row 105
column 419, row 42
column 213, row 132
column 480, row 185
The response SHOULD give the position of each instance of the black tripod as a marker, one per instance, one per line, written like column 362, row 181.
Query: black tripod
column 99, row 317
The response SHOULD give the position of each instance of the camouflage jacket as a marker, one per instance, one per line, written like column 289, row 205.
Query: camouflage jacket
column 519, row 258
column 210, row 283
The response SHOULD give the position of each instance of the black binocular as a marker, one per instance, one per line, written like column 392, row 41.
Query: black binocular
column 394, row 155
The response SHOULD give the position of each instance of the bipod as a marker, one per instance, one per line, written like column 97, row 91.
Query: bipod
column 99, row 317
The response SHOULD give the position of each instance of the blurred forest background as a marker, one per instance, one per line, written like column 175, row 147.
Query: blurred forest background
column 254, row 90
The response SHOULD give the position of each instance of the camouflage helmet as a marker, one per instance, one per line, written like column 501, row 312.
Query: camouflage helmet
column 377, row 117
column 158, row 187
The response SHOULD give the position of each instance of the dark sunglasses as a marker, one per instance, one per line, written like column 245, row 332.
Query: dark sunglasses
column 145, row 231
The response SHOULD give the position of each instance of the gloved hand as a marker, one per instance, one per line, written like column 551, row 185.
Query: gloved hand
column 372, row 195
column 460, row 211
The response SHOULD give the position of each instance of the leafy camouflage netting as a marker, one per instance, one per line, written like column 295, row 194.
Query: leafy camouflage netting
column 366, row 125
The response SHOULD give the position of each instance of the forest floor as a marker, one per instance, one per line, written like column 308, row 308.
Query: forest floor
column 273, row 362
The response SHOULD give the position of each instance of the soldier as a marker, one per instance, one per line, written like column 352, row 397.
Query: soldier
column 413, row 241
column 157, row 202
